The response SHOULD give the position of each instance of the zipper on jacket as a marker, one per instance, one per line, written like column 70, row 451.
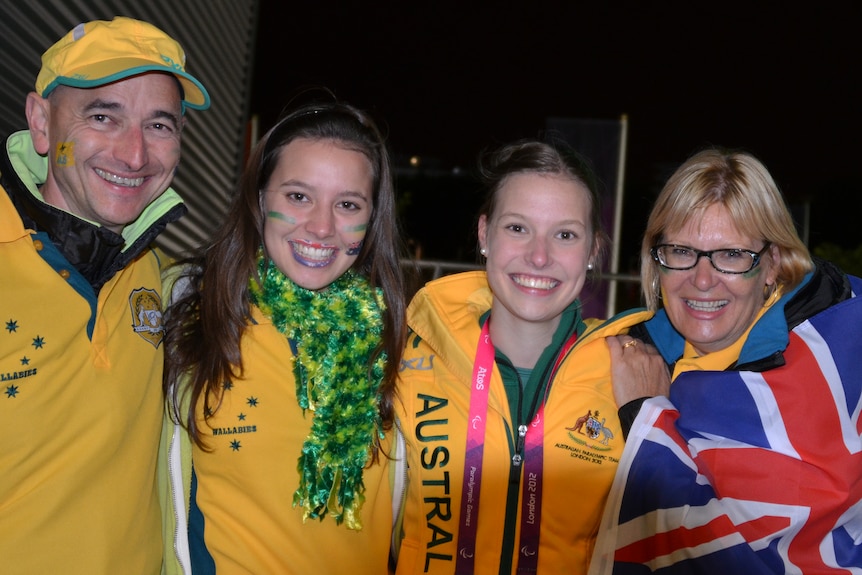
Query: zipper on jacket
column 519, row 446
column 510, row 528
column 177, row 494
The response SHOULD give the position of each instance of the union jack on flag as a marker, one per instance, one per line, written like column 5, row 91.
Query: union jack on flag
column 744, row 472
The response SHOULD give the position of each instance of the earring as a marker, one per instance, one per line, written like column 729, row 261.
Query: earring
column 590, row 267
column 483, row 251
column 769, row 291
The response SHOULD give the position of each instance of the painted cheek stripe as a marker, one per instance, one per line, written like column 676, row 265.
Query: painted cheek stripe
column 280, row 216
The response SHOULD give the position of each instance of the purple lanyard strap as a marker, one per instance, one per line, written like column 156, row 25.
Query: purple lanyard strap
column 531, row 484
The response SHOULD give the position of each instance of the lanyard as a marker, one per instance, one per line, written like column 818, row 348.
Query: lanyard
column 532, row 437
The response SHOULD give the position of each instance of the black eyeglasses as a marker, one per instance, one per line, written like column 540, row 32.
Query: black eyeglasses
column 727, row 261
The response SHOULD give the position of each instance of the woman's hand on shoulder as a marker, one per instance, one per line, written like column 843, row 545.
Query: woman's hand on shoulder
column 637, row 369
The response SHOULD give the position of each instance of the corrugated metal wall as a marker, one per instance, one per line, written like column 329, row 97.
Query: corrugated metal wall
column 218, row 37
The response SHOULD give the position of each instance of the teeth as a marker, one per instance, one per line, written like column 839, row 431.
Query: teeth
column 535, row 283
column 706, row 305
column 311, row 253
column 115, row 179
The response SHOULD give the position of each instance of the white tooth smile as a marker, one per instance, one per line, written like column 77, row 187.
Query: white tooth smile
column 312, row 253
column 535, row 283
column 120, row 181
column 706, row 305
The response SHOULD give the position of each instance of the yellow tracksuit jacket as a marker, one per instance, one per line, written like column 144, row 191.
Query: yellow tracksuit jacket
column 247, row 480
column 81, row 370
column 582, row 438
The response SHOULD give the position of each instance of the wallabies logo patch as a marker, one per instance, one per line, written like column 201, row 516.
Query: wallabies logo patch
column 146, row 308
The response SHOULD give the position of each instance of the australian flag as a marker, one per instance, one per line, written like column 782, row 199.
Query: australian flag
column 744, row 472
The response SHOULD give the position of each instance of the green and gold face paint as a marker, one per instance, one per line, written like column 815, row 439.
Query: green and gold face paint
column 65, row 156
column 356, row 228
column 281, row 217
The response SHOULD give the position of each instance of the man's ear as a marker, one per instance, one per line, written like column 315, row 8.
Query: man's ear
column 38, row 111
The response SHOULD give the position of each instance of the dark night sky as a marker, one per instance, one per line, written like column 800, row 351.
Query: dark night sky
column 447, row 80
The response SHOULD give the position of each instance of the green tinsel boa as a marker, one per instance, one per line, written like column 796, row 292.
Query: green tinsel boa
column 334, row 331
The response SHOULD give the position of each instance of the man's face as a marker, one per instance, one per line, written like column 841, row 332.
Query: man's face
column 112, row 150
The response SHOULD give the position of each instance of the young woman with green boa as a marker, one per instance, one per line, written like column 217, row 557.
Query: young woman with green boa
column 284, row 338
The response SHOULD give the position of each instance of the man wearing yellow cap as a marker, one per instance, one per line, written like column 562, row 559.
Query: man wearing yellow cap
column 85, row 191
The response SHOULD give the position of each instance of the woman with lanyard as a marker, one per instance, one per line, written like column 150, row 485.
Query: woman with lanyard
column 505, row 399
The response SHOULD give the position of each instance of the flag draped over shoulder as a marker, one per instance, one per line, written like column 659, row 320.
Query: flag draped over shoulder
column 744, row 472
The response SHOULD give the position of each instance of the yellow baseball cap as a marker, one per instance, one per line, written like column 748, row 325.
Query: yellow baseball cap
column 100, row 52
